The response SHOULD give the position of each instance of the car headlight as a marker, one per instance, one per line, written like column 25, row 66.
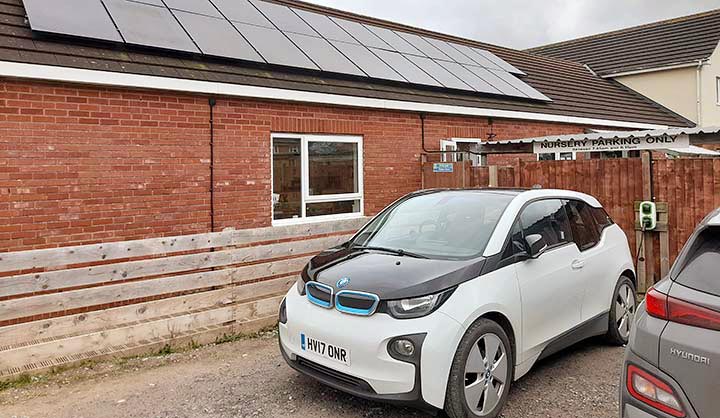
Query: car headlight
column 300, row 285
column 417, row 307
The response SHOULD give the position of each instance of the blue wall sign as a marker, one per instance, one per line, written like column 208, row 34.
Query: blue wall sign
column 443, row 168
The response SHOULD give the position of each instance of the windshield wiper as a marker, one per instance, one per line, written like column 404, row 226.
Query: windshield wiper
column 400, row 252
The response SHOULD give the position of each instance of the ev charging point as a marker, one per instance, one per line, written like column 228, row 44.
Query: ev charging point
column 648, row 216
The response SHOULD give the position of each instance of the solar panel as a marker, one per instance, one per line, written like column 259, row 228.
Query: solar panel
column 520, row 85
column 406, row 68
column 424, row 46
column 153, row 2
column 242, row 11
column 478, row 58
column 367, row 61
column 324, row 54
column 84, row 18
column 451, row 52
column 393, row 40
column 361, row 33
column 284, row 18
column 275, row 47
column 504, row 65
column 143, row 24
column 439, row 73
column 496, row 81
column 217, row 37
column 269, row 32
column 194, row 6
column 325, row 27
column 469, row 78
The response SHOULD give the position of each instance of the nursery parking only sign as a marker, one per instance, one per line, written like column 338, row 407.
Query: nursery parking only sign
column 631, row 143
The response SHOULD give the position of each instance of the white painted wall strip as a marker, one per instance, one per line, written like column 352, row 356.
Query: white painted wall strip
column 107, row 78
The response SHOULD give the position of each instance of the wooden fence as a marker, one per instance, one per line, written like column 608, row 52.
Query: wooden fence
column 65, row 305
column 687, row 189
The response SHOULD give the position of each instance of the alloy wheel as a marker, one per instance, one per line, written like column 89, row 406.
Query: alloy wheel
column 625, row 310
column 485, row 374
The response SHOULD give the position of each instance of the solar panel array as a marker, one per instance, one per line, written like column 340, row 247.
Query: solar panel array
column 265, row 32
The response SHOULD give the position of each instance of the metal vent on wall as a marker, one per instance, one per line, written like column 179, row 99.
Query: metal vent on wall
column 270, row 33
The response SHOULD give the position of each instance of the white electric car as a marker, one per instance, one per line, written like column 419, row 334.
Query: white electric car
column 446, row 297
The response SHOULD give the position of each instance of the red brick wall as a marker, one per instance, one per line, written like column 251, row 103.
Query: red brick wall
column 88, row 164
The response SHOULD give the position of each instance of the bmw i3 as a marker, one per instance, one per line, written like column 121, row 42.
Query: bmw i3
column 446, row 297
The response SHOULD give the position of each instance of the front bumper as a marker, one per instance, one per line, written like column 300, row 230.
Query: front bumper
column 372, row 373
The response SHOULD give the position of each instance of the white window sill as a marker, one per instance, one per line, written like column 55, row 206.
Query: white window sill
column 317, row 219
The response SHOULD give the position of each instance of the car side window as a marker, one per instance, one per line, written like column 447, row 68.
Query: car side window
column 516, row 243
column 602, row 219
column 547, row 218
column 584, row 227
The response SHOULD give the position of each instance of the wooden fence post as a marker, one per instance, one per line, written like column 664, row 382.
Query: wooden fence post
column 646, row 269
column 664, row 219
column 493, row 176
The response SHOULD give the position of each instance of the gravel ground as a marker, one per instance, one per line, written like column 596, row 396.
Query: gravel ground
column 249, row 379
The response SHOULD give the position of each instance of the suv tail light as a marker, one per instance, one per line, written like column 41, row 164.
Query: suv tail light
column 671, row 309
column 656, row 304
column 652, row 391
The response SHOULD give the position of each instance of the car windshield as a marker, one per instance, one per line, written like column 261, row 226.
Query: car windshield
column 437, row 225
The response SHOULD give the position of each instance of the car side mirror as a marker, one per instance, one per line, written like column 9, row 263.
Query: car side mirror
column 536, row 245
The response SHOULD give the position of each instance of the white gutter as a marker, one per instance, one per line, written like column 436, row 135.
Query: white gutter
column 108, row 78
column 651, row 70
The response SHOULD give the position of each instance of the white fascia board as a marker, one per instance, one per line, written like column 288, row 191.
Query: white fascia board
column 693, row 64
column 115, row 79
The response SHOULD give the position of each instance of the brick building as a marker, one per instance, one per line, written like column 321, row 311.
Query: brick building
column 108, row 141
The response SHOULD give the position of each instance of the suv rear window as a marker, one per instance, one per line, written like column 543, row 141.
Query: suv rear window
column 700, row 270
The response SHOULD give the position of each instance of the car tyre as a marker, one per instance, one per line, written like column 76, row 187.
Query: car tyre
column 479, row 380
column 622, row 312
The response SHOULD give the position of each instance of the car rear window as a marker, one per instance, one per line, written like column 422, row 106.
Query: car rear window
column 700, row 271
column 585, row 229
column 602, row 219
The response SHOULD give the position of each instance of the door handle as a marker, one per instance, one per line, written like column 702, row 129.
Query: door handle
column 578, row 264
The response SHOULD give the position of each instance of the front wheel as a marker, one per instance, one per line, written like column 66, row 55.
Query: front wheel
column 481, row 372
column 622, row 312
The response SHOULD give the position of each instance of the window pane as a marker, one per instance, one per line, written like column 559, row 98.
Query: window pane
column 602, row 219
column 286, row 178
column 703, row 262
column 333, row 168
column 515, row 245
column 583, row 224
column 546, row 157
column 333, row 208
column 546, row 218
column 566, row 156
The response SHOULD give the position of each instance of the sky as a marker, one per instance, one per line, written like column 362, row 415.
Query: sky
column 522, row 23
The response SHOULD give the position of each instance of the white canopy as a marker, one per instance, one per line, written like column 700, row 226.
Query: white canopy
column 693, row 150
column 674, row 141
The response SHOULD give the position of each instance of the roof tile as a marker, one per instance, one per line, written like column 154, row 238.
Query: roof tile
column 682, row 40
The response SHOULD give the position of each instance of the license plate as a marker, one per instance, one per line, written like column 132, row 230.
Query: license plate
column 326, row 350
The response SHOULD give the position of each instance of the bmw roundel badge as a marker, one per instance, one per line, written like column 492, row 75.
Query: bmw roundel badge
column 343, row 283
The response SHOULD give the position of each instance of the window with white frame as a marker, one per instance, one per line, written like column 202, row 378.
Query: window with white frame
column 450, row 148
column 316, row 177
column 557, row 156
column 458, row 149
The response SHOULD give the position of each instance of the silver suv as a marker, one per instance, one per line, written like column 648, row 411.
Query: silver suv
column 672, row 363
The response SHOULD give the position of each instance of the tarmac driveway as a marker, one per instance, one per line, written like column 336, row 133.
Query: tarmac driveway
column 248, row 378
